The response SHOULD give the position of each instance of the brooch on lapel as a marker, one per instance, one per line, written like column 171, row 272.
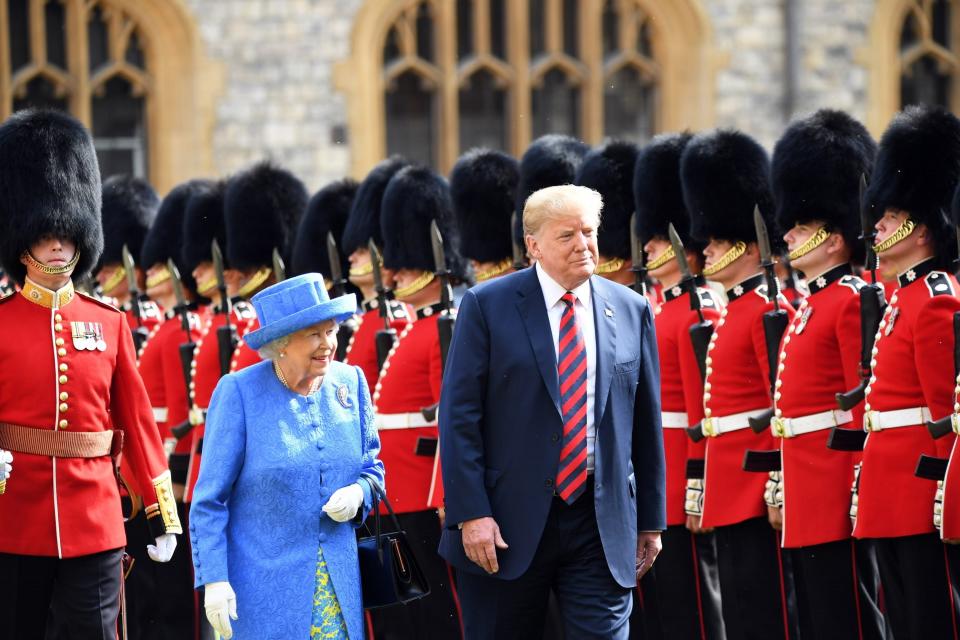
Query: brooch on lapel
column 343, row 396
column 608, row 311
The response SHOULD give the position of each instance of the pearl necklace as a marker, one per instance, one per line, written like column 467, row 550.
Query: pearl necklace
column 283, row 380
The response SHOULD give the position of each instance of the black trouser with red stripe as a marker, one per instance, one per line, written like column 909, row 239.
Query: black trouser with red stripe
column 437, row 615
column 837, row 590
column 754, row 583
column 680, row 595
column 916, row 591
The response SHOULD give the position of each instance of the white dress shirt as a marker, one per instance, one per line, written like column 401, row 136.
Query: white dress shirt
column 583, row 307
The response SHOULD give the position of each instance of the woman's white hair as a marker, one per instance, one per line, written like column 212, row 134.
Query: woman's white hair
column 561, row 201
column 273, row 349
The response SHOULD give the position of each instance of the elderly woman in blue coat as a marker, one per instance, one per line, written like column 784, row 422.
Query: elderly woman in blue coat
column 289, row 453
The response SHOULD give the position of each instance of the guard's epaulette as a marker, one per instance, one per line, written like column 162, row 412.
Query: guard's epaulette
column 150, row 310
column 7, row 297
column 707, row 299
column 98, row 301
column 762, row 292
column 938, row 284
column 398, row 310
column 853, row 283
column 243, row 310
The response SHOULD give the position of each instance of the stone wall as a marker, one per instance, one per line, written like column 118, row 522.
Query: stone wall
column 278, row 100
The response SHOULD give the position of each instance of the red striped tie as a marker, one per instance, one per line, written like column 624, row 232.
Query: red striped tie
column 572, row 367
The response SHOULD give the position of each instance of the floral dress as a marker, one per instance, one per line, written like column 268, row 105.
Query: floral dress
column 327, row 622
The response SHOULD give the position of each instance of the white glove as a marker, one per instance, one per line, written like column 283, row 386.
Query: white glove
column 220, row 602
column 163, row 550
column 6, row 464
column 344, row 503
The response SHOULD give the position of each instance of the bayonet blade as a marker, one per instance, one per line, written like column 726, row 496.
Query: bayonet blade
column 130, row 268
column 636, row 249
column 217, row 256
column 375, row 263
column 279, row 268
column 519, row 254
column 436, row 242
column 333, row 255
column 763, row 239
column 679, row 253
column 177, row 283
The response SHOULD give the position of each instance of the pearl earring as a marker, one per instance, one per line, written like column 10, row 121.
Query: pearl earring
column 283, row 354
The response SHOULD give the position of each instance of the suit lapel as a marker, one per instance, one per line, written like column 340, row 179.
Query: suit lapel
column 534, row 313
column 605, row 323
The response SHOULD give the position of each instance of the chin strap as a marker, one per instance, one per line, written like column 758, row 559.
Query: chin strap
column 812, row 243
column 903, row 231
column 726, row 259
column 47, row 269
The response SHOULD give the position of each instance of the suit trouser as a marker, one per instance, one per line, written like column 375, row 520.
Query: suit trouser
column 837, row 591
column 753, row 582
column 438, row 614
column 916, row 590
column 60, row 599
column 570, row 561
column 681, row 593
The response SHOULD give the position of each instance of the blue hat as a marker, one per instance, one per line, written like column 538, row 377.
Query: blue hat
column 295, row 304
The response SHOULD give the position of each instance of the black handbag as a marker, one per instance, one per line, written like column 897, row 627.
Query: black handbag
column 389, row 572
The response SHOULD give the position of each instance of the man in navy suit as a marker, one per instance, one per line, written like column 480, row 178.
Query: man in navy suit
column 550, row 436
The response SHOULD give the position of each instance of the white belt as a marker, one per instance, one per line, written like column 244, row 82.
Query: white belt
column 716, row 426
column 791, row 427
column 880, row 420
column 674, row 420
column 160, row 414
column 413, row 420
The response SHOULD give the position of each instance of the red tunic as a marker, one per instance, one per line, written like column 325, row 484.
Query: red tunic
column 150, row 314
column 681, row 388
column 409, row 382
column 737, row 382
column 50, row 380
column 175, row 387
column 150, row 365
column 913, row 367
column 362, row 350
column 820, row 360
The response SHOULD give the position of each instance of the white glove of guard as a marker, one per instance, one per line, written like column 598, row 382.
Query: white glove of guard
column 163, row 550
column 220, row 602
column 344, row 503
column 6, row 464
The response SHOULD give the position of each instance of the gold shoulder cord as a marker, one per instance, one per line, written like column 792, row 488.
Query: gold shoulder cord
column 726, row 259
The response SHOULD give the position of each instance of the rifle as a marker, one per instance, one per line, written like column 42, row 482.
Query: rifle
column 279, row 268
column 446, row 321
column 519, row 252
column 338, row 284
column 775, row 321
column 702, row 331
column 140, row 332
column 387, row 337
column 638, row 262
column 227, row 334
column 872, row 304
column 186, row 349
column 950, row 422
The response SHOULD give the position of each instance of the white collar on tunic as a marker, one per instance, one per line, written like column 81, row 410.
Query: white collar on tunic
column 552, row 291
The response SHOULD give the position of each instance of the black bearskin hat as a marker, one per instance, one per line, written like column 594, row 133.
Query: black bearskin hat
column 815, row 172
column 203, row 222
column 164, row 240
column 657, row 192
column 129, row 207
column 327, row 212
column 549, row 161
column 608, row 169
column 363, row 223
column 917, row 168
column 483, row 185
column 414, row 197
column 49, row 185
column 262, row 208
column 725, row 175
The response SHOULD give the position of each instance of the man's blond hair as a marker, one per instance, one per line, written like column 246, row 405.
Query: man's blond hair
column 561, row 201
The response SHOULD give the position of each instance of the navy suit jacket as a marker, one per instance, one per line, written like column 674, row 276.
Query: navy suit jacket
column 501, row 429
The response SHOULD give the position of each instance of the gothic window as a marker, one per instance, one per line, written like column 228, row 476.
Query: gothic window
column 430, row 79
column 928, row 60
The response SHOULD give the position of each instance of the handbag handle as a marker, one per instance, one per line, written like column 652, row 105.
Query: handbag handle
column 379, row 494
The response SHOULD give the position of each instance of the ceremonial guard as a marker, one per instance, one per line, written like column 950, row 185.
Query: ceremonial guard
column 681, row 593
column 324, row 220
column 169, row 612
column 378, row 311
column 815, row 174
column 129, row 207
column 483, row 187
column 408, row 390
column 608, row 169
column 72, row 397
column 916, row 170
column 724, row 178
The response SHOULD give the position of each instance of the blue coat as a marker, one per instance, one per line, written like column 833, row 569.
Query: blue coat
column 501, row 426
column 271, row 460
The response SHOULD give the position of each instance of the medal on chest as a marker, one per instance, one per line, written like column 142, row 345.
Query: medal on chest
column 891, row 321
column 804, row 319
column 88, row 336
